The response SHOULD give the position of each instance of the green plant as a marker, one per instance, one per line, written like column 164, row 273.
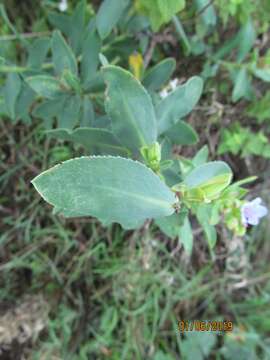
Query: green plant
column 159, row 12
column 241, row 140
column 153, row 184
column 59, row 81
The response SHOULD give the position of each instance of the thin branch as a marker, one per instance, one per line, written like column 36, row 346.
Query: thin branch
column 157, row 39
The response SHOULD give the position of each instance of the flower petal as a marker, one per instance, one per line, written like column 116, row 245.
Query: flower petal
column 261, row 211
column 256, row 201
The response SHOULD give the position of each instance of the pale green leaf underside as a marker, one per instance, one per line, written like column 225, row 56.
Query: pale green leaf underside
column 113, row 189
column 130, row 109
column 206, row 174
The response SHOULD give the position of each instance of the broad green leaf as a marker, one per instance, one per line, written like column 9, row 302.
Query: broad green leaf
column 130, row 109
column 96, row 141
column 159, row 11
column 108, row 15
column 37, row 52
column 11, row 92
column 186, row 236
column 207, row 181
column 178, row 103
column 159, row 74
column 168, row 8
column 63, row 57
column 182, row 134
column 109, row 188
column 45, row 85
column 90, row 57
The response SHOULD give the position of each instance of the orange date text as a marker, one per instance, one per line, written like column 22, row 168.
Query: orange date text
column 204, row 325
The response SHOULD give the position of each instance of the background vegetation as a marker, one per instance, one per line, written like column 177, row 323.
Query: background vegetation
column 73, row 289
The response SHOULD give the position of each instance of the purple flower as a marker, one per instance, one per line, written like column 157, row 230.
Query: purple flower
column 253, row 211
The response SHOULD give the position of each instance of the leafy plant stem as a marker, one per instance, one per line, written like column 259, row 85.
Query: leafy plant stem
column 181, row 32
